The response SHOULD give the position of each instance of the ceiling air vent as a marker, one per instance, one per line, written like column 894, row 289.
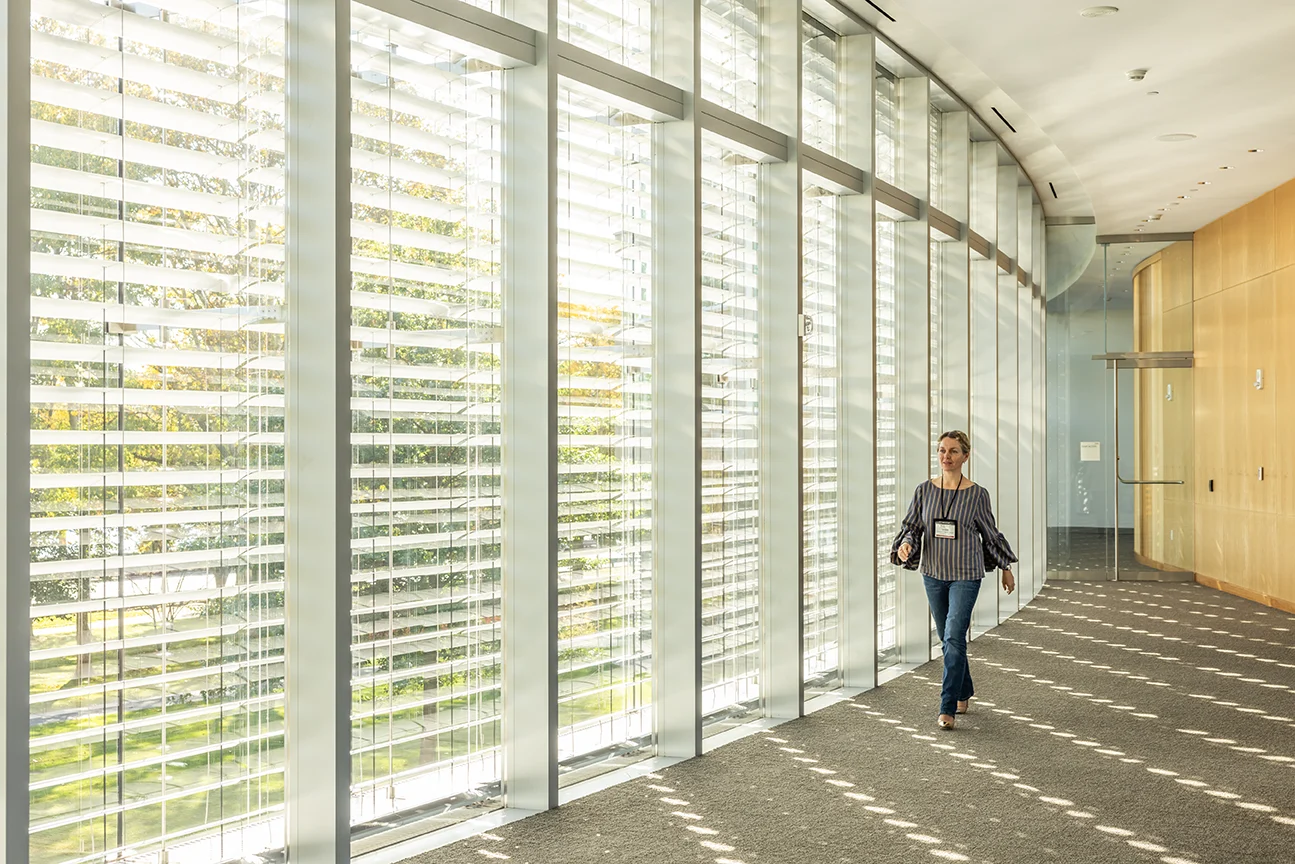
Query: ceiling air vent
column 889, row 17
column 1004, row 119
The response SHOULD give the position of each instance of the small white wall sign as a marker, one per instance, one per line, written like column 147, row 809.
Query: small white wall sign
column 1090, row 451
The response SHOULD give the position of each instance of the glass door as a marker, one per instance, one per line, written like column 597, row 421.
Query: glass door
column 1149, row 362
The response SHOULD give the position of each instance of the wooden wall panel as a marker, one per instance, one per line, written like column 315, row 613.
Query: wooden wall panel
column 1176, row 281
column 1206, row 387
column 1233, row 255
column 1207, row 261
column 1283, row 383
column 1259, row 220
column 1231, row 399
column 1257, row 419
column 1243, row 319
column 1284, row 203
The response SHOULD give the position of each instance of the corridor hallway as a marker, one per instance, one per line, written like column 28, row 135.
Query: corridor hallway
column 1114, row 723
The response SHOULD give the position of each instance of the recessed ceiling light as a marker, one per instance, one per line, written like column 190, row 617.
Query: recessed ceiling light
column 1202, row 182
column 1255, row 150
column 1176, row 137
column 1225, row 167
column 1183, row 197
column 1099, row 11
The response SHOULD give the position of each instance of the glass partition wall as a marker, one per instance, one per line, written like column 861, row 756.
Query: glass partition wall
column 1121, row 396
column 580, row 293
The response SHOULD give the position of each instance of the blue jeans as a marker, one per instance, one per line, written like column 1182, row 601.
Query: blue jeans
column 951, row 604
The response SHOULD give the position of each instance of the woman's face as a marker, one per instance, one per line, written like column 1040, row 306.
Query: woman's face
column 951, row 455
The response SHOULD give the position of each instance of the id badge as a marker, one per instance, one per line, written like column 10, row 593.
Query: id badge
column 946, row 529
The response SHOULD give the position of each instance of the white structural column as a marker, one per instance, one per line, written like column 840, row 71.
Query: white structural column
column 530, row 420
column 913, row 346
column 857, row 350
column 984, row 349
column 15, row 627
column 1025, row 387
column 1041, row 402
column 318, row 422
column 1009, row 375
column 676, row 393
column 781, row 377
column 955, row 276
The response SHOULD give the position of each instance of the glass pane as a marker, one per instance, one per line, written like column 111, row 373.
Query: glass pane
column 819, row 87
column 730, row 54
column 620, row 30
column 821, row 442
column 157, row 431
column 730, row 434
column 887, row 129
column 605, row 435
column 937, row 157
column 1081, row 505
column 887, row 447
column 425, row 426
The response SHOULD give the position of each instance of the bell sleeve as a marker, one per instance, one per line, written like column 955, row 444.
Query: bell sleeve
column 998, row 552
column 911, row 531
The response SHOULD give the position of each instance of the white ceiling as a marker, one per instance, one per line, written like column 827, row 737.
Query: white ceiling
column 1223, row 71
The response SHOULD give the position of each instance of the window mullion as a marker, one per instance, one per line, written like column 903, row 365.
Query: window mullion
column 318, row 489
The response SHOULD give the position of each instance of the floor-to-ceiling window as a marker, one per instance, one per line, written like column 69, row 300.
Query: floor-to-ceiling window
column 158, row 400
column 605, row 515
column 425, row 437
column 157, row 710
column 730, row 476
column 887, row 495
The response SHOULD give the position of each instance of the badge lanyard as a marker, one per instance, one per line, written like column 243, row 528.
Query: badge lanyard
column 946, row 529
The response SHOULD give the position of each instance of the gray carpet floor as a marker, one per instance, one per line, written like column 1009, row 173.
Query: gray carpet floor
column 1145, row 722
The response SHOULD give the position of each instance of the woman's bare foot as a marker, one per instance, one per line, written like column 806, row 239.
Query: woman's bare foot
column 946, row 721
column 963, row 705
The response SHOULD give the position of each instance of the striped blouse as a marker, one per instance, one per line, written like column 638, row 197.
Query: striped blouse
column 979, row 547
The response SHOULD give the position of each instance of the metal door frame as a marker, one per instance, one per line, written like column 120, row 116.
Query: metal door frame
column 1136, row 360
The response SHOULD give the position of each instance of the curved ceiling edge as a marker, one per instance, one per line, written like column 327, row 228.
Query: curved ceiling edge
column 1040, row 159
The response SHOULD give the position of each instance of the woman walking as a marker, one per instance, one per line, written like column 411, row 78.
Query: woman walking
column 950, row 529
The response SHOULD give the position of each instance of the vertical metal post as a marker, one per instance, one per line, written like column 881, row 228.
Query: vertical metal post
column 530, row 421
column 318, row 421
column 15, row 624
column 782, row 596
column 676, row 393
column 984, row 349
column 857, row 349
column 913, row 349
column 1115, row 473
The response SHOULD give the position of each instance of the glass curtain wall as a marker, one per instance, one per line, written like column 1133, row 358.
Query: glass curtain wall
column 620, row 30
column 157, row 430
column 821, row 440
column 425, row 342
column 158, row 408
column 887, row 496
column 820, row 123
column 730, row 478
column 605, row 432
column 730, row 54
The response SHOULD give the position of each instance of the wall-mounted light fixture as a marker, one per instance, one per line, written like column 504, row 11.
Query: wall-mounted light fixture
column 1259, row 379
column 1169, row 392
